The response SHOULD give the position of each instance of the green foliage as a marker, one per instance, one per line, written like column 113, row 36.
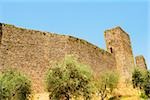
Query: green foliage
column 137, row 79
column 146, row 86
column 145, row 97
column 14, row 86
column 141, row 80
column 106, row 83
column 69, row 79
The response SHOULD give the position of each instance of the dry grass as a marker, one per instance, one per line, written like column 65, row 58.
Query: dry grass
column 44, row 96
column 40, row 96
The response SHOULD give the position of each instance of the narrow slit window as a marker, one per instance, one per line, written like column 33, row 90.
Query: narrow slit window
column 111, row 50
column 0, row 32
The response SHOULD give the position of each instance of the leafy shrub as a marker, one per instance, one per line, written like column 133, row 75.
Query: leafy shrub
column 14, row 86
column 143, row 96
column 69, row 79
column 106, row 83
column 137, row 79
column 146, row 86
column 141, row 80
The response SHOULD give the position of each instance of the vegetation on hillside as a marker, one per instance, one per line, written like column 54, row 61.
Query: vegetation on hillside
column 106, row 83
column 141, row 81
column 14, row 86
column 146, row 86
column 69, row 79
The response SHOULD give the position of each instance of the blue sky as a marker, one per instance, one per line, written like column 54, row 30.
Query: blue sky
column 87, row 19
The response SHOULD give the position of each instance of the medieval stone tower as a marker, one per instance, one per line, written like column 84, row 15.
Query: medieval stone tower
column 140, row 62
column 118, row 44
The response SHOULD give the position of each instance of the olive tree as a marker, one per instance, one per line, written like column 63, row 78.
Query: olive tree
column 14, row 86
column 106, row 83
column 69, row 79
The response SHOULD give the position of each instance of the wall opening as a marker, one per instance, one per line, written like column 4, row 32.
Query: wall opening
column 111, row 50
column 0, row 32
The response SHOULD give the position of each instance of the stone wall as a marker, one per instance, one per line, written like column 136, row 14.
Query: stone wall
column 140, row 62
column 99, row 59
column 33, row 52
column 25, row 50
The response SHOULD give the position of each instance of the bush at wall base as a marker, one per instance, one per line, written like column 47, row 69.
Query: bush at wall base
column 14, row 86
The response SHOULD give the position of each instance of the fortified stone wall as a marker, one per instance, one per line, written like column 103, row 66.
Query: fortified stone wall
column 140, row 62
column 99, row 59
column 33, row 52
column 25, row 50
